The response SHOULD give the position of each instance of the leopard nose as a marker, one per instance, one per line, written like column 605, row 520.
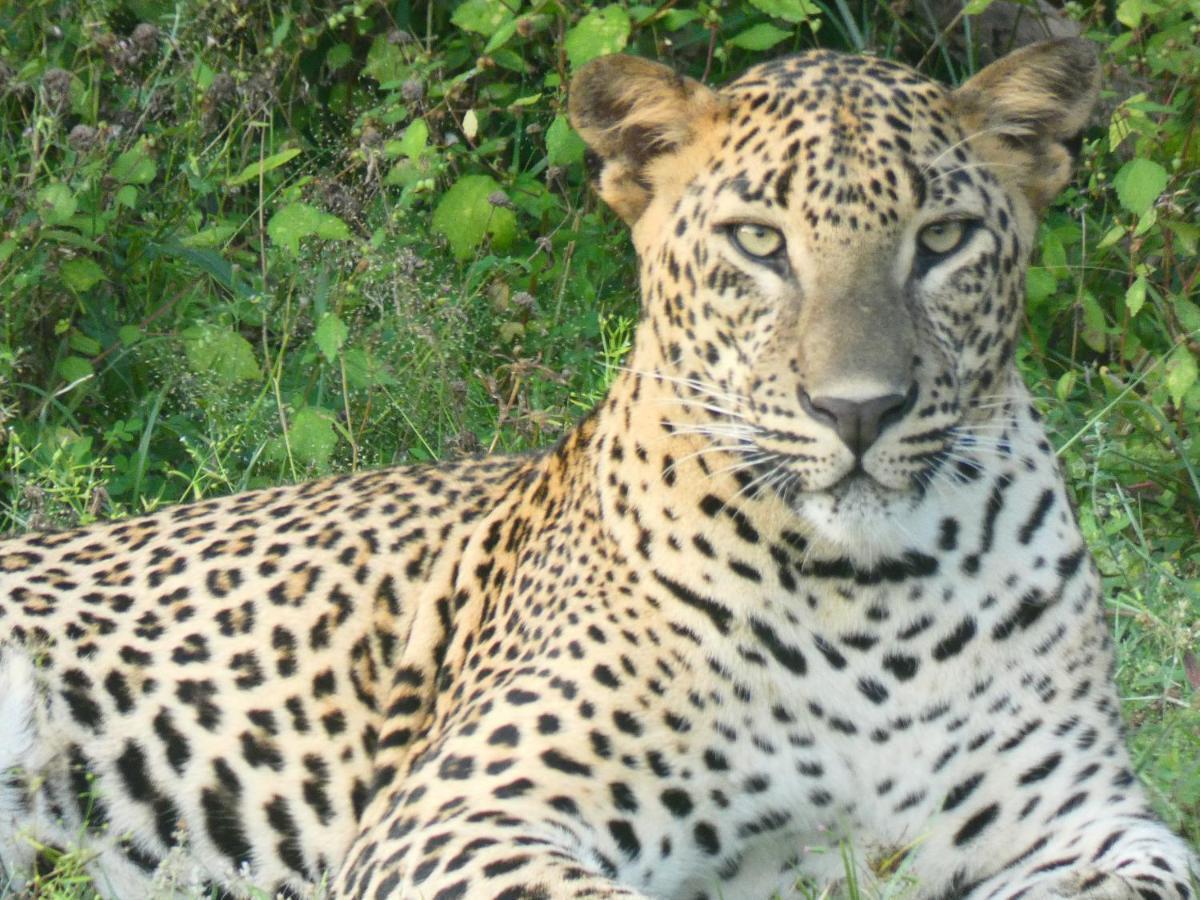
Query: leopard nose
column 859, row 422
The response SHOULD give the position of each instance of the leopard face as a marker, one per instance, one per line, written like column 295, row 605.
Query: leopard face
column 833, row 268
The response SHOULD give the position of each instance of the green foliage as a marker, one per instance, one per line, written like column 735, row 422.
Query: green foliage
column 248, row 243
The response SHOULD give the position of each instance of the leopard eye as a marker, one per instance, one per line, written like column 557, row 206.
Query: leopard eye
column 941, row 238
column 757, row 241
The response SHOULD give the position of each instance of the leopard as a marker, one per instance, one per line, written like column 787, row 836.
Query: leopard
column 801, row 608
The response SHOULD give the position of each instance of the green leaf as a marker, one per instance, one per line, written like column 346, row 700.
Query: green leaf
column 330, row 335
column 563, row 145
column 385, row 61
column 1187, row 233
column 1181, row 373
column 223, row 354
column 134, row 166
column 300, row 220
column 1188, row 313
column 501, row 36
column 74, row 368
column 1095, row 326
column 465, row 216
column 262, row 166
column 80, row 274
column 760, row 37
column 364, row 371
column 216, row 236
column 600, row 32
column 56, row 204
column 1138, row 184
column 794, row 11
column 81, row 343
column 415, row 139
column 1039, row 284
column 976, row 7
column 337, row 56
column 126, row 196
column 482, row 16
column 129, row 334
column 311, row 436
column 1135, row 296
column 1054, row 254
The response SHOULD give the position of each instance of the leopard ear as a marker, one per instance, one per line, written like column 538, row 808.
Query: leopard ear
column 630, row 111
column 1023, row 112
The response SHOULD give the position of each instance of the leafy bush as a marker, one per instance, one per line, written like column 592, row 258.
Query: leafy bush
column 245, row 243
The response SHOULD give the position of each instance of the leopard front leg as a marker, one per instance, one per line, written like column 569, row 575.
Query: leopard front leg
column 1129, row 857
column 465, row 848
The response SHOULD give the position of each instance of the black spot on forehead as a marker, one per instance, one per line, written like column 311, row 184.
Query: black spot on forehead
column 843, row 140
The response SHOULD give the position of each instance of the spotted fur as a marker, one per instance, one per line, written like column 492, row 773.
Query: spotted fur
column 804, row 592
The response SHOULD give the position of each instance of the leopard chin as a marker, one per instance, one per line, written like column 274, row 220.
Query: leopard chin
column 860, row 519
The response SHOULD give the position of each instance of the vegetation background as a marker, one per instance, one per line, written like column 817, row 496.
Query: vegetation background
column 244, row 243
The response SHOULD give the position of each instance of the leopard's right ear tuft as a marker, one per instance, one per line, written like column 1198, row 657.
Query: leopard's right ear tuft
column 1024, row 112
column 629, row 111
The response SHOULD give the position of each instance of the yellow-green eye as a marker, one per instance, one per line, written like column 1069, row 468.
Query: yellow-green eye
column 942, row 237
column 759, row 241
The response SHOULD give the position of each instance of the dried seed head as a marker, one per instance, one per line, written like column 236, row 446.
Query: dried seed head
column 145, row 37
column 56, row 89
column 221, row 90
column 412, row 90
column 500, row 199
column 143, row 43
column 83, row 138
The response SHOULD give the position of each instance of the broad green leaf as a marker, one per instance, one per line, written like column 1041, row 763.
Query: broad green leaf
column 364, row 371
column 223, row 354
column 415, row 139
column 1187, row 233
column 330, row 335
column 262, row 166
column 129, row 334
column 679, row 18
column 311, row 436
column 1095, row 326
column 482, row 16
column 300, row 220
column 56, row 204
column 1138, row 184
column 1130, row 12
column 1039, row 284
column 501, row 36
column 465, row 216
column 760, row 37
column 1135, row 296
column 126, row 196
column 337, row 56
column 1188, row 313
column 563, row 145
column 80, row 273
column 74, row 368
column 1054, row 254
column 794, row 11
column 1181, row 373
column 1064, row 385
column 216, row 236
column 81, row 343
column 600, row 32
column 134, row 166
column 385, row 61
